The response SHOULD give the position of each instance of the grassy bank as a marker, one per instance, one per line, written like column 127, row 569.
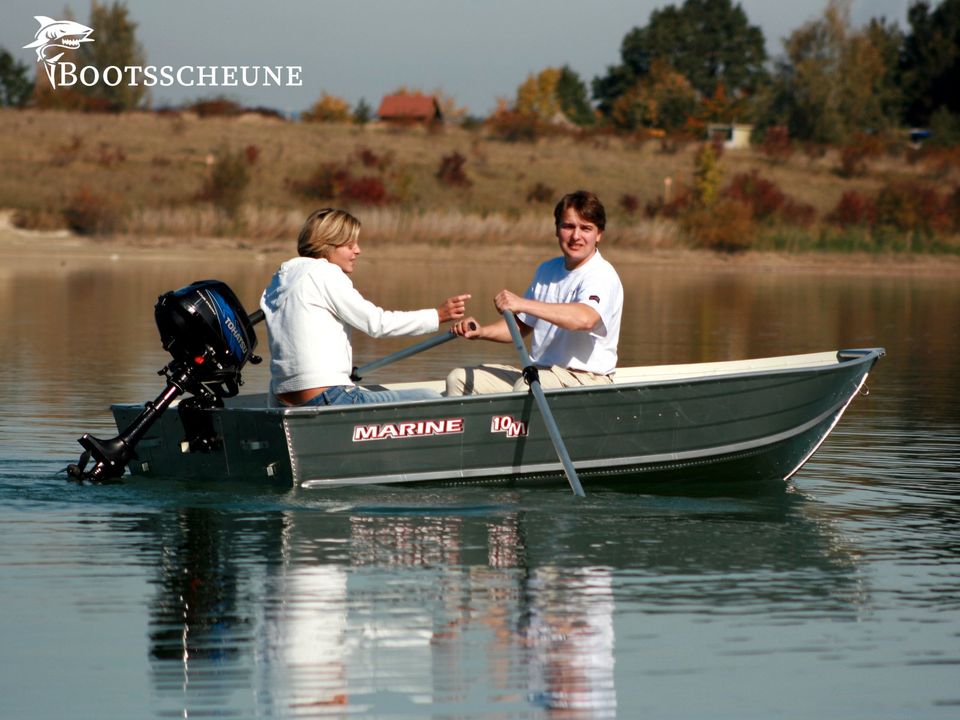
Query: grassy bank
column 146, row 174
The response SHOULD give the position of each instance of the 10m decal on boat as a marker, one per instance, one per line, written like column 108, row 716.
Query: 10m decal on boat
column 419, row 428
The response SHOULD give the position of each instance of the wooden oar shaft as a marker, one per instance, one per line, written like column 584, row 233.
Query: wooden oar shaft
column 533, row 380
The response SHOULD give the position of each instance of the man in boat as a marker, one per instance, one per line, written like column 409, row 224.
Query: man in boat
column 572, row 308
column 311, row 307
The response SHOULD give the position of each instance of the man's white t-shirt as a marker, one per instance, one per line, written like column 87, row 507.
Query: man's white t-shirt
column 595, row 283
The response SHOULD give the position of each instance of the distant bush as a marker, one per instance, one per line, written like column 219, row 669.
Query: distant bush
column 767, row 201
column 216, row 107
column 853, row 209
column 512, row 126
column 451, row 171
column 90, row 213
column 855, row 156
column 324, row 183
column 952, row 208
column 541, row 193
column 227, row 184
column 331, row 181
column 368, row 158
column 776, row 144
column 725, row 226
column 764, row 198
column 669, row 208
column 910, row 206
column 368, row 190
column 629, row 203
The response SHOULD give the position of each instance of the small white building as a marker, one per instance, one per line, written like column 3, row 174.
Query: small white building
column 736, row 136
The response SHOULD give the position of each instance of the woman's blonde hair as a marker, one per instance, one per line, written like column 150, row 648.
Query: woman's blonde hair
column 326, row 229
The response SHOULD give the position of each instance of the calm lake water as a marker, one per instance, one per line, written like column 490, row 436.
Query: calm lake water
column 836, row 596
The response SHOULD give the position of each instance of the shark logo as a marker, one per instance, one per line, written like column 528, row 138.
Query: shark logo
column 65, row 34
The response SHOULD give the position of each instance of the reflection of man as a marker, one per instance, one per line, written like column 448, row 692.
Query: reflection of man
column 571, row 636
column 572, row 307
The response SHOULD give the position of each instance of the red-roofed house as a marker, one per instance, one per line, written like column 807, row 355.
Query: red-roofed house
column 410, row 109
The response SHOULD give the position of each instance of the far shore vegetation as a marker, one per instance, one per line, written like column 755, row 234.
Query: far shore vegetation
column 835, row 161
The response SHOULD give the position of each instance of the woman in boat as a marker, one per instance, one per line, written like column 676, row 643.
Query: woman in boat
column 311, row 307
column 572, row 307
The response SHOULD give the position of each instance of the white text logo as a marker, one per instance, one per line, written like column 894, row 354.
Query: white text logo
column 65, row 34
column 506, row 424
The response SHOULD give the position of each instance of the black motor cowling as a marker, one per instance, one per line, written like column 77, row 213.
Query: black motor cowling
column 210, row 336
column 204, row 326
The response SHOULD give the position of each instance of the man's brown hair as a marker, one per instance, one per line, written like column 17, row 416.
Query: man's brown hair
column 587, row 205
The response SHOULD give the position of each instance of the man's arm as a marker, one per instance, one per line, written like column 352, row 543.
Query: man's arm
column 569, row 316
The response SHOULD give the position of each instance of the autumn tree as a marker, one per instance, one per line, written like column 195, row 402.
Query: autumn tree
column 329, row 108
column 706, row 41
column 554, row 92
column 116, row 45
column 662, row 99
column 834, row 82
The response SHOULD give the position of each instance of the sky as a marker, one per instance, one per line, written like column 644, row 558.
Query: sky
column 474, row 51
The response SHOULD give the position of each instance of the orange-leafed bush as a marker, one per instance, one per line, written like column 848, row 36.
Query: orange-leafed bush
column 90, row 213
column 912, row 207
column 725, row 226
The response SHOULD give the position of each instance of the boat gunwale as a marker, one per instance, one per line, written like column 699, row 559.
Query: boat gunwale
column 844, row 357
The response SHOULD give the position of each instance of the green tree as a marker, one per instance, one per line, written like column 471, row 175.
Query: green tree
column 15, row 85
column 573, row 98
column 706, row 41
column 362, row 112
column 115, row 44
column 930, row 62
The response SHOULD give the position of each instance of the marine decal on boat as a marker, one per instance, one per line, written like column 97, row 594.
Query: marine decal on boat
column 506, row 424
column 419, row 428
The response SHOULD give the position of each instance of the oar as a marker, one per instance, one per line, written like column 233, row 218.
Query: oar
column 532, row 377
column 358, row 373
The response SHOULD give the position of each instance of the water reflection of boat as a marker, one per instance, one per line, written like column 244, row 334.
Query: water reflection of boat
column 743, row 419
column 509, row 607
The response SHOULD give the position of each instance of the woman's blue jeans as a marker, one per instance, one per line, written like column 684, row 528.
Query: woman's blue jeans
column 356, row 395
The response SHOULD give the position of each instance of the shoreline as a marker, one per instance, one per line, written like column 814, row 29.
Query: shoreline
column 27, row 246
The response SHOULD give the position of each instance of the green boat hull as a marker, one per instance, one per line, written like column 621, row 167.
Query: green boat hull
column 725, row 423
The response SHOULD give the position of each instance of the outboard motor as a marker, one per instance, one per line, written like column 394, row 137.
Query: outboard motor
column 210, row 336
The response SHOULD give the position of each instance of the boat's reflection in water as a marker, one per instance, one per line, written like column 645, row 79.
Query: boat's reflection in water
column 387, row 601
